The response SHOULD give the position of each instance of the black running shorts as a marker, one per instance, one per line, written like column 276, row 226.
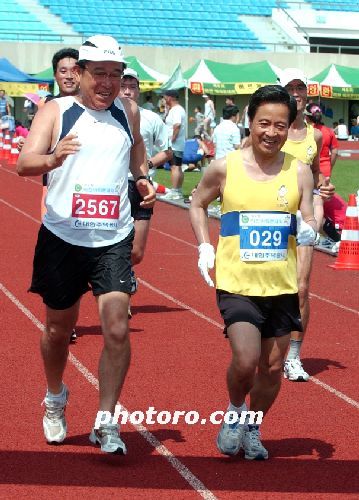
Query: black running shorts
column 273, row 316
column 63, row 272
column 137, row 212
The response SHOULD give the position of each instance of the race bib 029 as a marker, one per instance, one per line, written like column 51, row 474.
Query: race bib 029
column 264, row 236
column 95, row 207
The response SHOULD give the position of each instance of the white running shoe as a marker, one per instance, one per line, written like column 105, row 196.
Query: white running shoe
column 172, row 195
column 54, row 422
column 230, row 437
column 294, row 371
column 108, row 437
column 252, row 446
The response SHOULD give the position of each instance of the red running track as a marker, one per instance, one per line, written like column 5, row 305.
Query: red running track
column 179, row 360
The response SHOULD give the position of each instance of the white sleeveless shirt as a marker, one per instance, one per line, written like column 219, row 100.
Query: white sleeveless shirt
column 87, row 201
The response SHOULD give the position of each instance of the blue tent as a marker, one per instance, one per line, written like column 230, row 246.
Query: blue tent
column 9, row 73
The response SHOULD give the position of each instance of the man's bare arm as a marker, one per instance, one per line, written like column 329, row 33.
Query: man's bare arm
column 138, row 159
column 306, row 185
column 209, row 188
column 35, row 158
column 176, row 129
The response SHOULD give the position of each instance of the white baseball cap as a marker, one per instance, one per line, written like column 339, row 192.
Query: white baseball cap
column 101, row 48
column 290, row 74
column 131, row 73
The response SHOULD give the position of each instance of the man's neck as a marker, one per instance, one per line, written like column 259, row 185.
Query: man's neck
column 299, row 122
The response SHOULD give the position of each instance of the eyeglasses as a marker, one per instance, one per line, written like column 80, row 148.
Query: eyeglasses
column 100, row 75
column 299, row 88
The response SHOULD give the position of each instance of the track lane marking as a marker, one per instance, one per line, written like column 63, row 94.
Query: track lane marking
column 26, row 179
column 325, row 386
column 318, row 382
column 161, row 449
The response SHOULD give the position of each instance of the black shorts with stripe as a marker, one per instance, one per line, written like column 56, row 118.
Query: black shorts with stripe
column 62, row 272
column 273, row 316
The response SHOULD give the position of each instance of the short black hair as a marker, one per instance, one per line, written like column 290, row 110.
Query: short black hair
column 172, row 93
column 272, row 94
column 229, row 111
column 341, row 120
column 61, row 54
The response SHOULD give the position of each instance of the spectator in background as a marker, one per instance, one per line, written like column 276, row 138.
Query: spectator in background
column 354, row 131
column 329, row 150
column 226, row 135
column 341, row 131
column 30, row 110
column 335, row 208
column 161, row 107
column 20, row 130
column 194, row 152
column 5, row 109
column 335, row 125
column 199, row 119
column 229, row 101
column 245, row 121
column 176, row 123
column 209, row 115
column 148, row 104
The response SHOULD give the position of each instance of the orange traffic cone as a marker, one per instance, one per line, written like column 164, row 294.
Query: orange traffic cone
column 7, row 146
column 14, row 152
column 348, row 257
column 160, row 189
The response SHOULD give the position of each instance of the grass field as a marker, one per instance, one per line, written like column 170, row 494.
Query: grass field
column 345, row 177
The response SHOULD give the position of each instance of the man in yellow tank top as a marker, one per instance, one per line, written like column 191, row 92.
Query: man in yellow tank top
column 257, row 294
column 304, row 143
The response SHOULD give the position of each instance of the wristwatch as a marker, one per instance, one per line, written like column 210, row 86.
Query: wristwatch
column 145, row 177
column 150, row 164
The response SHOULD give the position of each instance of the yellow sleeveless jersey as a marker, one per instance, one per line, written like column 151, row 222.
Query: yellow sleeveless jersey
column 256, row 253
column 304, row 150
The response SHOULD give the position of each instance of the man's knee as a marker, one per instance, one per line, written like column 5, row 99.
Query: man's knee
column 116, row 335
column 272, row 369
column 244, row 366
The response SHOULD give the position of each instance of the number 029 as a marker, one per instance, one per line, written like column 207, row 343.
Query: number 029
column 265, row 238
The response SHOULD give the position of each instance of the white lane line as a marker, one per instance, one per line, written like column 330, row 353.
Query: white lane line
column 26, row 179
column 173, row 237
column 215, row 323
column 20, row 211
column 179, row 467
column 319, row 297
column 331, row 302
column 219, row 325
column 335, row 391
column 181, row 304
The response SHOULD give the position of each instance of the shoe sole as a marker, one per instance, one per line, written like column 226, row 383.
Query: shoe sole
column 299, row 379
column 257, row 457
column 119, row 451
column 55, row 440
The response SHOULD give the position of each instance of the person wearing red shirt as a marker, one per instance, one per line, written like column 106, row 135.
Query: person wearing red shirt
column 335, row 208
column 329, row 151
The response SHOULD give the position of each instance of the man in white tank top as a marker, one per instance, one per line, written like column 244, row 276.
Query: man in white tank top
column 155, row 136
column 85, row 143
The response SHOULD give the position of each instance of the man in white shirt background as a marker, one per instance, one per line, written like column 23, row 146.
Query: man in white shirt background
column 176, row 123
column 226, row 135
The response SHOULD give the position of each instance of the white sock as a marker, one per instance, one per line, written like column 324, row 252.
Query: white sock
column 56, row 396
column 238, row 409
column 294, row 349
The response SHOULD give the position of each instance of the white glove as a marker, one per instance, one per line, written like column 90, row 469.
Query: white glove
column 306, row 236
column 206, row 261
